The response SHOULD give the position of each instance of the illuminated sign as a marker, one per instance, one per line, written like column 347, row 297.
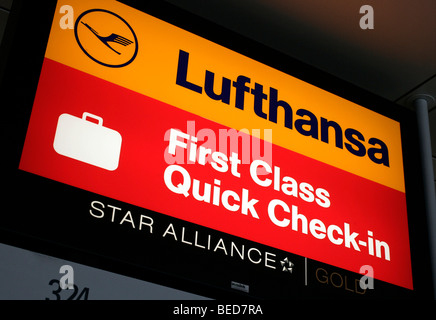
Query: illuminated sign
column 135, row 109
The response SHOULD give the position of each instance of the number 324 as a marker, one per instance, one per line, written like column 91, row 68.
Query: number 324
column 57, row 292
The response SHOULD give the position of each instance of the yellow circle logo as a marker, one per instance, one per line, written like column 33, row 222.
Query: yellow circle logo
column 106, row 38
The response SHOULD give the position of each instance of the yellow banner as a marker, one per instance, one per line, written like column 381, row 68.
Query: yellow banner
column 137, row 51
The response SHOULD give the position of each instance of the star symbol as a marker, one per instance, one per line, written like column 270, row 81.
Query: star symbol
column 287, row 265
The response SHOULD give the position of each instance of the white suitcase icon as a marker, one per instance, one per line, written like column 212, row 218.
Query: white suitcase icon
column 87, row 141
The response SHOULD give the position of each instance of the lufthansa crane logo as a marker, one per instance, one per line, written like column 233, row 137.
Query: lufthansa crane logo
column 106, row 38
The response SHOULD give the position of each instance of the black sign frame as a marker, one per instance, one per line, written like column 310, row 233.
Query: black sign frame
column 42, row 215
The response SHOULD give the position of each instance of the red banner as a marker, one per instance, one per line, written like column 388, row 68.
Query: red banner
column 106, row 139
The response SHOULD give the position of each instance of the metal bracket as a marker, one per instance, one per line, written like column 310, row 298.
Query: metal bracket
column 431, row 101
